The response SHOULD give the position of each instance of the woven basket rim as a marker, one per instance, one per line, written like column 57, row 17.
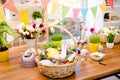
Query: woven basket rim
column 54, row 66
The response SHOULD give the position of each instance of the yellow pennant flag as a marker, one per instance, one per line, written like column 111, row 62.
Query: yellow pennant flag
column 103, row 7
column 2, row 14
column 23, row 16
column 55, row 6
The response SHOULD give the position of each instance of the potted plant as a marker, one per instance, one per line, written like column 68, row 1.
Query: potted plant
column 37, row 15
column 94, row 43
column 29, row 32
column 5, row 30
column 56, row 39
column 110, row 40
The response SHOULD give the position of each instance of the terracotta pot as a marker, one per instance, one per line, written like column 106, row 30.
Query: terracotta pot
column 4, row 55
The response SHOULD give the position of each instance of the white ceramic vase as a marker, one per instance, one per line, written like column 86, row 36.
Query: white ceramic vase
column 30, row 43
column 110, row 45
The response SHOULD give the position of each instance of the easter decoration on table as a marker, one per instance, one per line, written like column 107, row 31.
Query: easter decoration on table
column 100, row 48
column 97, row 56
column 83, row 54
column 28, row 58
column 60, row 58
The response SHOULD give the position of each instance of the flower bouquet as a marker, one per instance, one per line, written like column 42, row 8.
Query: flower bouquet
column 30, row 31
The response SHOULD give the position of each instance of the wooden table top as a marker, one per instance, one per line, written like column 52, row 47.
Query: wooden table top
column 12, row 70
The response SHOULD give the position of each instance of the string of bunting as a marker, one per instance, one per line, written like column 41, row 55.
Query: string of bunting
column 55, row 6
column 76, row 11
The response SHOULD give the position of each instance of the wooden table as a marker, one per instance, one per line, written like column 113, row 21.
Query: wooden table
column 12, row 70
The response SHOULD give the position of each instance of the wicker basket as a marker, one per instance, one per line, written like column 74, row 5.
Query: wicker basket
column 57, row 71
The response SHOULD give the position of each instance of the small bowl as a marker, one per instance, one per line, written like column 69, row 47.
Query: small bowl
column 97, row 56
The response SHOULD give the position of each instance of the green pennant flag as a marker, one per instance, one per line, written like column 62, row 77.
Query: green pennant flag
column 94, row 11
column 64, row 11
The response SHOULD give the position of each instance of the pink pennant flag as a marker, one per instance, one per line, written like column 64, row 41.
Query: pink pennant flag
column 75, row 13
column 44, row 3
column 10, row 5
column 111, row 3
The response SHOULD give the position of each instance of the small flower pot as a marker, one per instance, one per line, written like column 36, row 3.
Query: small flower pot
column 58, row 43
column 109, row 45
column 93, row 47
column 4, row 55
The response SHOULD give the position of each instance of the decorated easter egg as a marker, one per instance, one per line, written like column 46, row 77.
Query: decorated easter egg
column 72, row 48
column 46, row 62
column 82, row 41
column 64, row 61
column 52, row 52
column 78, row 51
column 100, row 48
column 84, row 52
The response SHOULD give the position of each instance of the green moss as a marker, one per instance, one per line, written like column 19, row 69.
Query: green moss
column 95, row 39
column 56, row 37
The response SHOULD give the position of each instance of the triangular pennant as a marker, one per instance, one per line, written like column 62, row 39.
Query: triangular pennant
column 84, row 13
column 55, row 6
column 94, row 11
column 103, row 7
column 24, row 17
column 75, row 13
column 111, row 3
column 2, row 15
column 64, row 11
column 0, row 3
column 44, row 3
column 10, row 5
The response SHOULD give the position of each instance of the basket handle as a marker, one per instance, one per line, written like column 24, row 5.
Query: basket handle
column 109, row 18
column 75, row 43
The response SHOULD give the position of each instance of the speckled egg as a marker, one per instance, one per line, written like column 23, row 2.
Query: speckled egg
column 100, row 48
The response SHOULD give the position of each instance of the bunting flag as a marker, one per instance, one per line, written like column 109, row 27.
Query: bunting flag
column 44, row 3
column 103, row 7
column 64, row 11
column 0, row 4
column 94, row 11
column 10, row 5
column 75, row 13
column 2, row 15
column 23, row 16
column 84, row 13
column 111, row 3
column 55, row 6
